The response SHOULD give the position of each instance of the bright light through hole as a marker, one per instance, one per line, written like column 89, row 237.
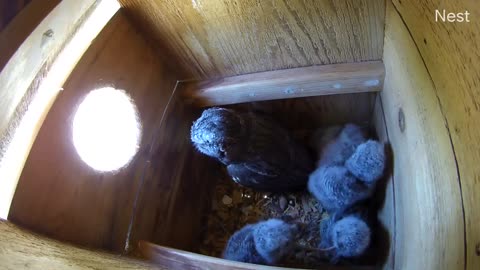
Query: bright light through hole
column 106, row 130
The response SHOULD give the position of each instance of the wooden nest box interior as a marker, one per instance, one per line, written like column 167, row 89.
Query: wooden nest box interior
column 390, row 66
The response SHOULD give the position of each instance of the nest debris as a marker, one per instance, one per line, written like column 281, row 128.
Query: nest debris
column 234, row 206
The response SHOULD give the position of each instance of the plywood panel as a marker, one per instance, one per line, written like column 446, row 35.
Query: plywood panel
column 429, row 231
column 178, row 259
column 313, row 112
column 58, row 194
column 219, row 38
column 21, row 249
column 178, row 183
column 290, row 83
column 385, row 192
column 451, row 52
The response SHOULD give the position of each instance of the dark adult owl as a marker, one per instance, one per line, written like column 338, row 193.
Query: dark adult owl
column 257, row 151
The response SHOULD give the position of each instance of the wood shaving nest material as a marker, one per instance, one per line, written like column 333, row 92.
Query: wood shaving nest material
column 234, row 206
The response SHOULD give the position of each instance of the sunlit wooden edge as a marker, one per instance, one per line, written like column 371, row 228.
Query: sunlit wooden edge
column 16, row 147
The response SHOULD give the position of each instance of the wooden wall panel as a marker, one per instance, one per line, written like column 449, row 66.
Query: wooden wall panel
column 218, row 38
column 178, row 183
column 385, row 193
column 21, row 249
column 429, row 230
column 58, row 194
column 313, row 112
column 451, row 52
column 179, row 259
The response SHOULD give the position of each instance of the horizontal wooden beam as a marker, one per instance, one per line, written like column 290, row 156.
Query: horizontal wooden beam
column 289, row 83
column 169, row 258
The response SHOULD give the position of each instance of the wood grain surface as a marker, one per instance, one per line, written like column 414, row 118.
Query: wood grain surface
column 313, row 112
column 178, row 183
column 451, row 52
column 385, row 192
column 22, row 249
column 290, row 83
column 178, row 259
column 58, row 194
column 429, row 231
column 225, row 38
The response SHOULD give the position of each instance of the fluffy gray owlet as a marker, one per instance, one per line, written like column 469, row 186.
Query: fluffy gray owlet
column 345, row 236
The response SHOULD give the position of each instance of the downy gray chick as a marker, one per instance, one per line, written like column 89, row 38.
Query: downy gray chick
column 321, row 137
column 348, row 170
column 265, row 242
column 344, row 237
column 342, row 146
column 336, row 188
column 274, row 238
column 258, row 152
column 368, row 161
column 241, row 247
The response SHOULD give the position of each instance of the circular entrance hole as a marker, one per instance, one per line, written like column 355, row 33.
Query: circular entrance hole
column 106, row 129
